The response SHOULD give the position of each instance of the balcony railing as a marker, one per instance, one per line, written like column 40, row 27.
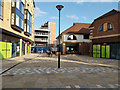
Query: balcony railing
column 41, row 34
column 41, row 40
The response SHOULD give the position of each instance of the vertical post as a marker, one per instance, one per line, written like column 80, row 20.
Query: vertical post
column 59, row 43
column 20, row 47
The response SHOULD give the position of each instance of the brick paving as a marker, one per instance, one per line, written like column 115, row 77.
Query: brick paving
column 40, row 71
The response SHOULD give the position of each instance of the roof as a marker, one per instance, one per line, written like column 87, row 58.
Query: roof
column 78, row 28
column 112, row 12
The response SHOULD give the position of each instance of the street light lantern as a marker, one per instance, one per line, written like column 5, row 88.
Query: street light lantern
column 59, row 7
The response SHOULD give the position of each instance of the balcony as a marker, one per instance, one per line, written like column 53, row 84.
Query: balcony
column 46, row 35
column 40, row 40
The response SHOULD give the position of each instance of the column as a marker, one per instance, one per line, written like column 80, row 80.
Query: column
column 29, row 48
column 25, row 48
column 20, row 47
column 64, row 49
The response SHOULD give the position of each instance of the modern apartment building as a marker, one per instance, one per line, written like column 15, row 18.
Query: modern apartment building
column 45, row 35
column 105, row 36
column 16, row 27
column 75, row 39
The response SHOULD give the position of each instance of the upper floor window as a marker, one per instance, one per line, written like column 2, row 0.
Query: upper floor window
column 20, row 6
column 71, row 37
column 17, row 17
column 105, row 27
column 86, row 36
column 28, row 23
column 110, row 27
column 1, row 9
column 101, row 28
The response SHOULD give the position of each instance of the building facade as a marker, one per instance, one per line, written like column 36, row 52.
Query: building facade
column 45, row 35
column 16, row 27
column 105, row 36
column 75, row 39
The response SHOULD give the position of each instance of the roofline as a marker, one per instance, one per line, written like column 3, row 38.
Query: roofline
column 102, row 16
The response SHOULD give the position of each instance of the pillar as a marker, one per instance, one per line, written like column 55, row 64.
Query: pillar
column 91, row 49
column 25, row 48
column 20, row 47
column 29, row 48
column 64, row 49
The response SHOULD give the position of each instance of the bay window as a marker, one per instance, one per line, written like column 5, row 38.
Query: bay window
column 28, row 22
column 17, row 17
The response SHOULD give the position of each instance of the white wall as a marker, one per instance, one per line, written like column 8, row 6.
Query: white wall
column 80, row 38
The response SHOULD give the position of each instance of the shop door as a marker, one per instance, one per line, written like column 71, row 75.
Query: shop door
column 96, row 51
column 9, row 50
column 103, row 52
column 3, row 50
column 27, row 49
column 14, row 46
column 108, row 51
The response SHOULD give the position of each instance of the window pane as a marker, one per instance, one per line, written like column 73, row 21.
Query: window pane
column 27, row 15
column 101, row 28
column 30, row 30
column 27, row 28
column 12, row 22
column 22, row 8
column 18, row 4
column 17, row 20
column 110, row 27
column 22, row 24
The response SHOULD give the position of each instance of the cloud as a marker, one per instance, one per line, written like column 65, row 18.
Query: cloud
column 80, row 2
column 54, row 17
column 85, row 18
column 38, row 12
column 73, row 17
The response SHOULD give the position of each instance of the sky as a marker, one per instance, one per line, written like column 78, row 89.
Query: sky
column 80, row 12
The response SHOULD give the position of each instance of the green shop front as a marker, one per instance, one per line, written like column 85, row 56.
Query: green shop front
column 110, row 51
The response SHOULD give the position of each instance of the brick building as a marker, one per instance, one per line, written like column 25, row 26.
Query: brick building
column 75, row 39
column 16, row 27
column 105, row 36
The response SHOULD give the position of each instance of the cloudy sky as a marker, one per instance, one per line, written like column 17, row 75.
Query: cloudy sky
column 79, row 11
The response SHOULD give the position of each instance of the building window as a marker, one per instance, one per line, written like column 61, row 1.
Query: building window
column 105, row 27
column 110, row 27
column 86, row 36
column 1, row 9
column 17, row 15
column 28, row 22
column 101, row 28
column 71, row 37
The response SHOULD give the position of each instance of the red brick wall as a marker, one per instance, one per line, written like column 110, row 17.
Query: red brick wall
column 84, row 48
column 113, row 19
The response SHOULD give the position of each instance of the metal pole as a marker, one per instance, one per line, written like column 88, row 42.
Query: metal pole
column 59, row 43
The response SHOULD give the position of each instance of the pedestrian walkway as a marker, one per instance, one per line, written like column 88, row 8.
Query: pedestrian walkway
column 56, row 70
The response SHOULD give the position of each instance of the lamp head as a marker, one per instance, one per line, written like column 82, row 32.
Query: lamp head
column 59, row 7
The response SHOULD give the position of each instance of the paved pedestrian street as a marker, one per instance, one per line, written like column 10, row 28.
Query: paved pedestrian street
column 40, row 71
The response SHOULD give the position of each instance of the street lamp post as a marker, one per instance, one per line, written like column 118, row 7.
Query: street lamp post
column 59, row 7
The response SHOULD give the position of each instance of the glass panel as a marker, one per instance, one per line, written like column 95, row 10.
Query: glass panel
column 107, row 51
column 22, row 8
column 12, row 19
column 103, row 52
column 27, row 28
column 22, row 24
column 18, row 4
column 101, row 28
column 17, row 20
